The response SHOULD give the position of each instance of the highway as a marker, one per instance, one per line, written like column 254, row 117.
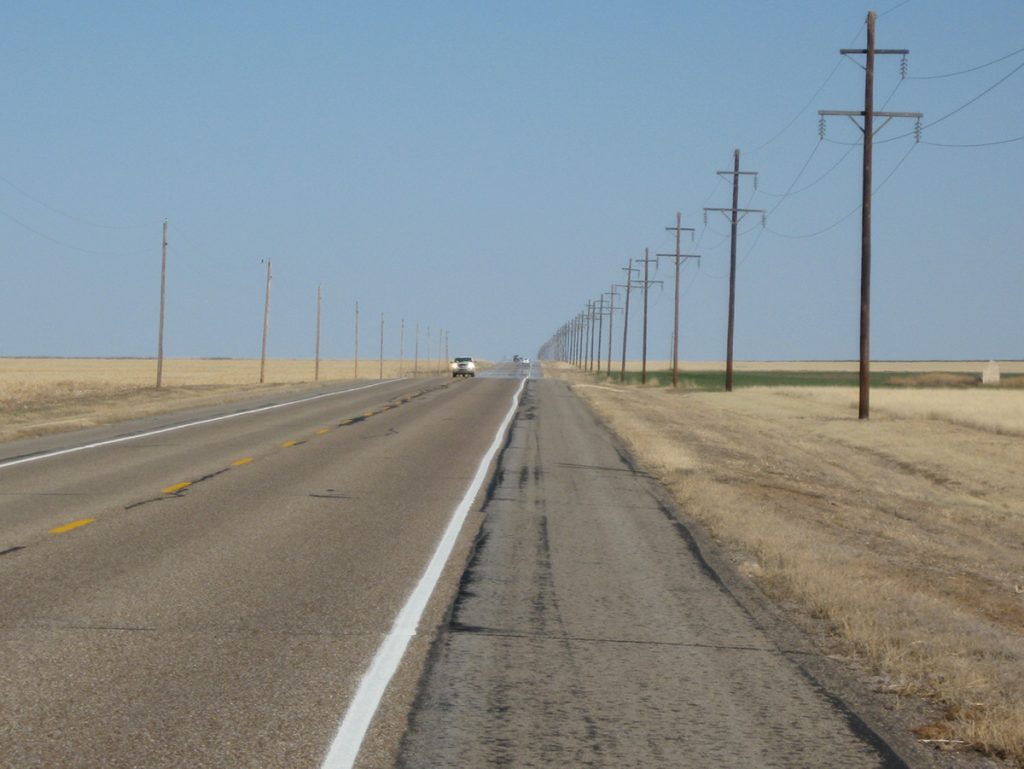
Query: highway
column 223, row 623
column 214, row 594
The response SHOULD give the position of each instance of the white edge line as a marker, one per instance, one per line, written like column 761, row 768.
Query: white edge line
column 122, row 439
column 349, row 739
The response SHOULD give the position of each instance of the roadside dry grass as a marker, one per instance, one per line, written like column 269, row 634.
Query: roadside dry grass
column 903, row 535
column 47, row 395
column 971, row 367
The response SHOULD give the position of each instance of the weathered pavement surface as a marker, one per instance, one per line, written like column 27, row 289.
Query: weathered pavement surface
column 588, row 631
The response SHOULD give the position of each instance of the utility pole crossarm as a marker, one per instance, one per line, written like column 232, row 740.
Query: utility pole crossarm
column 864, row 51
column 860, row 113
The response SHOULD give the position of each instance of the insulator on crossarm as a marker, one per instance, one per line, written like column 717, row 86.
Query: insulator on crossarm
column 918, row 128
column 705, row 218
column 755, row 182
column 904, row 67
column 764, row 219
column 821, row 127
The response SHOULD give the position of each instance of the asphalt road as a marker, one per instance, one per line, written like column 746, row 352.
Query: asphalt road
column 225, row 623
column 229, row 621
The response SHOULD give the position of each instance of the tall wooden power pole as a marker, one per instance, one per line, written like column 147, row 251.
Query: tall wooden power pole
column 355, row 374
column 597, row 338
column 380, row 374
column 629, row 270
column 646, row 286
column 678, row 256
column 316, row 370
column 735, row 214
column 611, row 314
column 163, row 291
column 868, row 116
column 266, row 326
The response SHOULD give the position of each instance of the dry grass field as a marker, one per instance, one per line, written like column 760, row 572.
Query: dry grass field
column 954, row 366
column 45, row 395
column 902, row 536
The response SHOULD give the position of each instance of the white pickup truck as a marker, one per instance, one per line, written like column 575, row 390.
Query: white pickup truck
column 463, row 367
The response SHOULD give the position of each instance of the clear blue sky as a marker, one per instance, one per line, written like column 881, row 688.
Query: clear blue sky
column 488, row 167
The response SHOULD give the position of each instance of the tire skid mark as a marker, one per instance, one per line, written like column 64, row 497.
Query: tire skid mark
column 458, row 627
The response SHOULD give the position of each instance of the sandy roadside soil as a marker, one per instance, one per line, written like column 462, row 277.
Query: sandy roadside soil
column 899, row 541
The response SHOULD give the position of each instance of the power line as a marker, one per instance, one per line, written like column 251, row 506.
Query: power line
column 803, row 109
column 962, row 107
column 66, row 215
column 894, row 8
column 835, row 224
column 809, row 101
column 63, row 244
column 980, row 144
column 816, row 181
column 966, row 71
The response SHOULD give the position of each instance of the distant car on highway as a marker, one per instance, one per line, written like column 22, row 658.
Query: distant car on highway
column 463, row 367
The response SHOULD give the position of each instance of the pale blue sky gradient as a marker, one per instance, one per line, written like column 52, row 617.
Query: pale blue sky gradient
column 486, row 168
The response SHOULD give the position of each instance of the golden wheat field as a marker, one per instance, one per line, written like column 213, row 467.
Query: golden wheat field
column 903, row 535
column 46, row 395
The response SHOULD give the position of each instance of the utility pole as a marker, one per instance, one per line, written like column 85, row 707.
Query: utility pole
column 356, row 374
column 734, row 214
column 647, row 284
column 581, row 338
column 266, row 326
column 163, row 291
column 590, row 334
column 678, row 256
column 869, row 132
column 599, row 312
column 316, row 371
column 625, row 325
column 416, row 354
column 401, row 348
column 611, row 314
column 381, row 372
column 440, row 349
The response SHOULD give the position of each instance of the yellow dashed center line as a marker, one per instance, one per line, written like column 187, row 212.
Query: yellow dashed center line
column 369, row 413
column 240, row 462
column 70, row 526
column 177, row 487
column 323, row 430
column 288, row 444
column 347, row 422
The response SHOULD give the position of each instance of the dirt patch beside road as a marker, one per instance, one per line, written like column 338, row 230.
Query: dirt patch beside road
column 902, row 536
